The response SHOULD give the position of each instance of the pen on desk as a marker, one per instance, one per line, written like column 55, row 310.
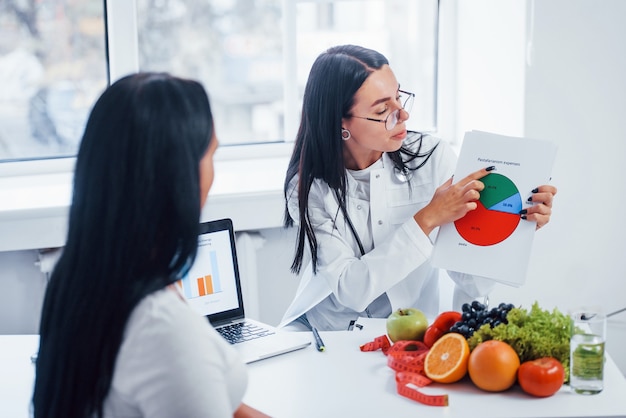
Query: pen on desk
column 318, row 340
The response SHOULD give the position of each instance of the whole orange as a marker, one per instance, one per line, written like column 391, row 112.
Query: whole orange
column 493, row 365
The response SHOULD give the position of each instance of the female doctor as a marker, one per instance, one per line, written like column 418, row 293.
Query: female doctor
column 367, row 195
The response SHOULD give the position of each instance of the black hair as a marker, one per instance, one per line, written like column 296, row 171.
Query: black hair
column 335, row 77
column 133, row 228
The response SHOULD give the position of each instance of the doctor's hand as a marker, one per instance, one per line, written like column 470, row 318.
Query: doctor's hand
column 452, row 201
column 541, row 210
column 246, row 411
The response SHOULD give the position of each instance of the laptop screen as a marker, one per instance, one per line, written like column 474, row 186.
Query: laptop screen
column 212, row 285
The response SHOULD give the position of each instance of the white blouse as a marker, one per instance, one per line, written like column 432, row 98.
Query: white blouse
column 172, row 363
column 396, row 265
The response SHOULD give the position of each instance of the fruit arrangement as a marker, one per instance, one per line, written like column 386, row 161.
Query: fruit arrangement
column 476, row 314
column 406, row 324
column 542, row 377
column 442, row 325
column 533, row 334
column 495, row 347
column 493, row 365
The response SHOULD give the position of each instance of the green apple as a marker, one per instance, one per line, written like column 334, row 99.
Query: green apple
column 406, row 324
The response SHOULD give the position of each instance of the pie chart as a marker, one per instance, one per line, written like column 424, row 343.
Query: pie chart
column 497, row 214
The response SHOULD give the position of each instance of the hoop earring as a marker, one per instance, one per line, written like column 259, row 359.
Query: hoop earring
column 345, row 134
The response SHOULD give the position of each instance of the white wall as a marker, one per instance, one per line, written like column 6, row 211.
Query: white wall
column 23, row 286
column 490, row 45
column 573, row 93
column 277, row 285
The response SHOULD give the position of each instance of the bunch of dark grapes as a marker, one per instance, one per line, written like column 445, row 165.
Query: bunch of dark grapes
column 476, row 315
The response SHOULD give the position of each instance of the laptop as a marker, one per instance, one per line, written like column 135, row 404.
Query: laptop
column 213, row 289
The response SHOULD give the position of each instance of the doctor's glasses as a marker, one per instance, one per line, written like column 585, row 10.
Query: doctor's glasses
column 406, row 99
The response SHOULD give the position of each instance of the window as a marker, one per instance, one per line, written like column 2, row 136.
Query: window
column 253, row 56
column 405, row 31
column 52, row 69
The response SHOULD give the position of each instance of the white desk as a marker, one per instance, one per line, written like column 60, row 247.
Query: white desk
column 344, row 382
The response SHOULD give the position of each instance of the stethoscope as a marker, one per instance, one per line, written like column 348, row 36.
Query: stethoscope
column 403, row 175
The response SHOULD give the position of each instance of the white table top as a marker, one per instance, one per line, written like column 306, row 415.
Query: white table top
column 345, row 382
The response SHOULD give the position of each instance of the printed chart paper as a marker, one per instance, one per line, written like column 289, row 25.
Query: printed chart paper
column 493, row 241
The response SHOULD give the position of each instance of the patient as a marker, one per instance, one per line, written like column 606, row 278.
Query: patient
column 117, row 339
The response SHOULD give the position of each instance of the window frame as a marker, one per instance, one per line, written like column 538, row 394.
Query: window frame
column 122, row 58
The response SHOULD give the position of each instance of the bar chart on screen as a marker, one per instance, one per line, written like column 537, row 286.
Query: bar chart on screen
column 193, row 286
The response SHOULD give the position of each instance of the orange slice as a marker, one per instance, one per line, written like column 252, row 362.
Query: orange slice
column 446, row 362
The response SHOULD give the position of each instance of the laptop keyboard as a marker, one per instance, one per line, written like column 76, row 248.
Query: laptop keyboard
column 242, row 331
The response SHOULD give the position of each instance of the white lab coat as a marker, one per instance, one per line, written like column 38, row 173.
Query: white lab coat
column 397, row 252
